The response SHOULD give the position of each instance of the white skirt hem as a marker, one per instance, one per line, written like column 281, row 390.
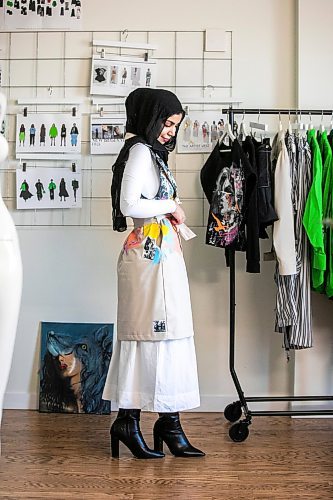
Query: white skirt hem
column 128, row 400
column 153, row 376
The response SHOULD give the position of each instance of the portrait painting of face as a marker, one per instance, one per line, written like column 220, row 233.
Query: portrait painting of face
column 74, row 363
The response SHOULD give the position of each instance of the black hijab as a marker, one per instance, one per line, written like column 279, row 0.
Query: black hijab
column 147, row 111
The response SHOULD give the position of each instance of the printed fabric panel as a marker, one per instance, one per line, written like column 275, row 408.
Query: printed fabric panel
column 226, row 210
column 156, row 240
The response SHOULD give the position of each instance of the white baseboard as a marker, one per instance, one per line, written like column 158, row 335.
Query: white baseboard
column 209, row 403
column 20, row 401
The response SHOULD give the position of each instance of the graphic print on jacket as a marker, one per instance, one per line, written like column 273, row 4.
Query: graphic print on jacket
column 157, row 238
column 225, row 214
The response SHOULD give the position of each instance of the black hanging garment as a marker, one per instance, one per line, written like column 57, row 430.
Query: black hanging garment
column 229, row 183
column 266, row 212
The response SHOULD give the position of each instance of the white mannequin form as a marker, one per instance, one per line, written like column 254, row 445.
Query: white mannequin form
column 10, row 278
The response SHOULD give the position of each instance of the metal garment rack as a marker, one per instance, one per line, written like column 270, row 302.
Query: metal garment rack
column 233, row 412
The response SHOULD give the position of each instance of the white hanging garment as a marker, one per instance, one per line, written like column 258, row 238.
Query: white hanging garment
column 10, row 279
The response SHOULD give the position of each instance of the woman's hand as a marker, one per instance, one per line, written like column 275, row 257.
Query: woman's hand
column 179, row 215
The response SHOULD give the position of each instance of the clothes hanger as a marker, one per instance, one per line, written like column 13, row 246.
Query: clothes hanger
column 258, row 125
column 322, row 126
column 299, row 125
column 227, row 133
column 310, row 124
column 280, row 123
column 290, row 130
column 242, row 128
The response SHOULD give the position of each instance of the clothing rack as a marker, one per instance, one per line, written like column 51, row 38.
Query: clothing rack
column 233, row 412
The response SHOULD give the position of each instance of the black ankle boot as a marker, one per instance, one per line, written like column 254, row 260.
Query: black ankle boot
column 126, row 428
column 168, row 429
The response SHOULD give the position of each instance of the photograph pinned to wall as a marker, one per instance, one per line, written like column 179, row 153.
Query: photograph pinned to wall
column 74, row 363
column 55, row 134
column 41, row 188
column 107, row 134
column 40, row 14
column 199, row 132
column 120, row 75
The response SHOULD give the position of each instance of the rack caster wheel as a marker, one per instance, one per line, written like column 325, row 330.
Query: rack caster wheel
column 233, row 412
column 239, row 432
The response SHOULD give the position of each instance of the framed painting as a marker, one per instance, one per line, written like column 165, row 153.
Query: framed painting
column 75, row 359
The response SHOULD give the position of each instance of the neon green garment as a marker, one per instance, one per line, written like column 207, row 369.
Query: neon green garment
column 313, row 215
column 53, row 131
column 326, row 154
column 328, row 213
column 325, row 150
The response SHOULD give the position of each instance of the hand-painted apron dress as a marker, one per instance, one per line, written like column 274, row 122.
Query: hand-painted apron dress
column 153, row 365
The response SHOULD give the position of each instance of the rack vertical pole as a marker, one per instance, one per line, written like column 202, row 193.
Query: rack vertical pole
column 232, row 310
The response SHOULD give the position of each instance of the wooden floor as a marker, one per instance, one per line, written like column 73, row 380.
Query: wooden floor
column 50, row 456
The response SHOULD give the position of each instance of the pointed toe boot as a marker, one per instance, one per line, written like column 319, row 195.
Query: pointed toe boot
column 168, row 429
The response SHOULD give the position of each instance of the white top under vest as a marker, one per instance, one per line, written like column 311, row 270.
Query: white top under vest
column 141, row 177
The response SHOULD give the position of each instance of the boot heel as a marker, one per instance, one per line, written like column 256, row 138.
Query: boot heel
column 158, row 443
column 126, row 428
column 114, row 447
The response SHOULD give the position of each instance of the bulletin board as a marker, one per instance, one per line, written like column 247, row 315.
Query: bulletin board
column 30, row 66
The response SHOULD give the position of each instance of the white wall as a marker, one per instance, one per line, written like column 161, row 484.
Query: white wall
column 69, row 273
column 313, row 371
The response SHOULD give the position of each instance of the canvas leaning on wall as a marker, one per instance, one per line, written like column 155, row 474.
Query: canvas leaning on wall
column 74, row 363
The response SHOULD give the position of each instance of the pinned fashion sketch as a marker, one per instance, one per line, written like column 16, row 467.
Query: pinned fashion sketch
column 121, row 74
column 107, row 135
column 74, row 362
column 40, row 191
column 100, row 74
column 25, row 193
column 46, row 133
column 41, row 188
column 199, row 132
column 40, row 14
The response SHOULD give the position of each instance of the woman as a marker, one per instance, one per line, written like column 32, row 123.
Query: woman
column 74, row 134
column 22, row 135
column 63, row 193
column 153, row 366
column 63, row 133
column 25, row 193
column 53, row 134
